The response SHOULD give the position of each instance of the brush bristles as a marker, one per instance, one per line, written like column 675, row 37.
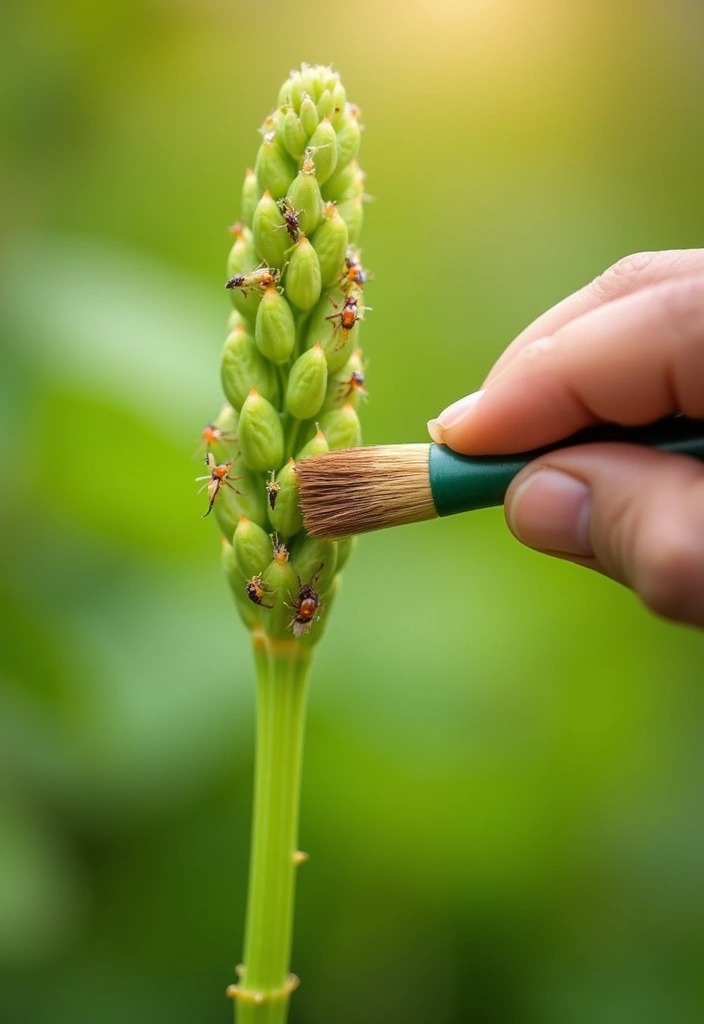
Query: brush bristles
column 361, row 489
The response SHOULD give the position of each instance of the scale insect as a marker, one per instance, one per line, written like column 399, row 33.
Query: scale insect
column 219, row 474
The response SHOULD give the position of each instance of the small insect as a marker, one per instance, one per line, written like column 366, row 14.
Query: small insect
column 354, row 273
column 279, row 549
column 272, row 490
column 214, row 435
column 256, row 591
column 219, row 474
column 290, row 216
column 306, row 606
column 347, row 316
column 308, row 165
column 261, row 277
column 353, row 385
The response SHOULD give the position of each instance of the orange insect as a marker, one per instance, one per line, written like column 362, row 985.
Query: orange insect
column 214, row 435
column 349, row 313
column 219, row 474
column 307, row 605
column 256, row 591
column 354, row 273
column 353, row 384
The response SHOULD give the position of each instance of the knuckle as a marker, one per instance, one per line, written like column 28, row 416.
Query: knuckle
column 537, row 350
column 624, row 276
column 669, row 576
column 683, row 304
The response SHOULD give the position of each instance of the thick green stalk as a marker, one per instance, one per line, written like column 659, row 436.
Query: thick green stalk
column 262, row 996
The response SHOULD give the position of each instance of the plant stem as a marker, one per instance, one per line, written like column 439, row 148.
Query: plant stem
column 282, row 667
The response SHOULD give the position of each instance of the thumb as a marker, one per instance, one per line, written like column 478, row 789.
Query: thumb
column 631, row 513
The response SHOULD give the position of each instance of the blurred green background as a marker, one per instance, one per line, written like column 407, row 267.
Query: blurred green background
column 504, row 771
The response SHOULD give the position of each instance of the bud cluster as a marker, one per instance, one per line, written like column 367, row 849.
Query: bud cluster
column 292, row 370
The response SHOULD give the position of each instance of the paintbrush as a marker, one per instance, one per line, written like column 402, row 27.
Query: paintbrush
column 356, row 490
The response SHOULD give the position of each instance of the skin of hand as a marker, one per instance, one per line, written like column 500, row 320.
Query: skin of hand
column 627, row 348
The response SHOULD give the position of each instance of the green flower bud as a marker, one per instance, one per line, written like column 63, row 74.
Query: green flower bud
column 326, row 104
column 318, row 445
column 241, row 260
column 342, row 184
column 347, row 385
column 307, row 383
column 303, row 283
column 349, row 135
column 353, row 215
column 331, row 78
column 251, row 194
column 330, row 242
column 274, row 124
column 285, row 93
column 295, row 91
column 244, row 367
column 305, row 198
column 280, row 580
column 248, row 500
column 339, row 102
column 249, row 613
column 261, row 437
column 310, row 80
column 285, row 516
column 316, row 559
column 294, row 134
column 227, row 420
column 274, row 330
column 274, row 168
column 251, row 548
column 340, row 426
column 345, row 547
column 309, row 116
column 323, row 142
column 234, row 320
column 271, row 240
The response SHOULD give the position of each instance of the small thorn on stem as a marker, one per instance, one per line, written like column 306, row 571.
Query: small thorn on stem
column 299, row 857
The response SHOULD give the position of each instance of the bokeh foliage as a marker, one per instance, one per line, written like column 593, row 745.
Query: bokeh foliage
column 504, row 776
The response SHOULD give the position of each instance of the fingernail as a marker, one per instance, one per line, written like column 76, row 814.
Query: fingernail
column 454, row 414
column 551, row 511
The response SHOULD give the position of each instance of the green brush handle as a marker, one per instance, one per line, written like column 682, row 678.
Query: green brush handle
column 460, row 483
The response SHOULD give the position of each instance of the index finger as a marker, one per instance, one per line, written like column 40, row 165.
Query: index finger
column 629, row 361
column 628, row 275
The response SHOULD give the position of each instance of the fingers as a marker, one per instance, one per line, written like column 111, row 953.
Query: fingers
column 628, row 361
column 633, row 514
column 630, row 274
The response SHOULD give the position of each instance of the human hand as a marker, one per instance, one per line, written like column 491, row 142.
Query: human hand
column 628, row 348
